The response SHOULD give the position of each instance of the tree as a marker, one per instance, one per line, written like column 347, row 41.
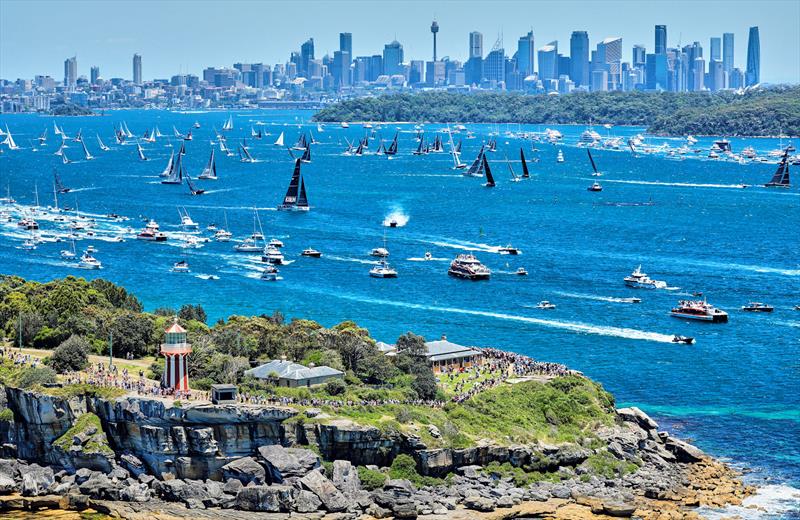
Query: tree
column 424, row 384
column 71, row 355
column 375, row 367
column 412, row 353
column 133, row 333
column 335, row 387
column 192, row 312
column 117, row 296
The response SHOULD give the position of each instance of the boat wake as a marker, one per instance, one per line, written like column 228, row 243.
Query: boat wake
column 207, row 276
column 677, row 184
column 423, row 259
column 596, row 297
column 348, row 259
column 396, row 217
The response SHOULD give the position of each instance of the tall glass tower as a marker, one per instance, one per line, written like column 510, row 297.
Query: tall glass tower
column 661, row 39
column 753, row 73
column 727, row 52
column 579, row 58
column 525, row 54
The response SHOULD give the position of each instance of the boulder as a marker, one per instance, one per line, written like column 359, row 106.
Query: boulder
column 36, row 480
column 133, row 464
column 7, row 485
column 272, row 499
column 333, row 500
column 232, row 486
column 306, row 501
column 345, row 478
column 618, row 509
column 479, row 503
column 177, row 490
column 399, row 485
column 283, row 463
column 245, row 470
column 376, row 511
column 635, row 415
column 405, row 508
column 505, row 501
column 683, row 451
column 135, row 493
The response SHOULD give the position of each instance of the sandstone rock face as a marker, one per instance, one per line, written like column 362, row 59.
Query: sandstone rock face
column 332, row 499
column 284, row 463
column 361, row 445
column 271, row 499
column 245, row 470
column 345, row 478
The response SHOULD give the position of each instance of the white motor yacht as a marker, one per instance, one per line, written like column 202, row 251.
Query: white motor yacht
column 87, row 261
column 181, row 266
column 272, row 255
column 270, row 273
column 222, row 236
column 383, row 270
column 275, row 243
column 639, row 280
column 380, row 252
column 546, row 305
column 311, row 252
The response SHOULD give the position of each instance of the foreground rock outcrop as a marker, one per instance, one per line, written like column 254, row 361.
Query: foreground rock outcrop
column 208, row 461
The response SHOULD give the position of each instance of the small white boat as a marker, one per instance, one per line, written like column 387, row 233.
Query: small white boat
column 87, row 261
column 248, row 246
column 181, row 266
column 272, row 255
column 186, row 220
column 509, row 250
column 270, row 273
column 560, row 157
column 521, row 271
column 380, row 252
column 222, row 235
column 275, row 243
column 428, row 255
column 546, row 305
column 383, row 270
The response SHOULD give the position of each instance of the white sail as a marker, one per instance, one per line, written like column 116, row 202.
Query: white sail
column 157, row 132
column 228, row 124
column 168, row 169
column 128, row 133
column 210, row 171
column 56, row 129
column 10, row 140
column 86, row 153
column 141, row 152
column 279, row 141
column 102, row 146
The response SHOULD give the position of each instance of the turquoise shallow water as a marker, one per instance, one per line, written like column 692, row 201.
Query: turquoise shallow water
column 735, row 392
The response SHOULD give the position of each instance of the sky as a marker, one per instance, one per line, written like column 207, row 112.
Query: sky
column 174, row 36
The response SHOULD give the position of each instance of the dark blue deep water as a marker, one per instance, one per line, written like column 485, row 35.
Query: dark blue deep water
column 736, row 392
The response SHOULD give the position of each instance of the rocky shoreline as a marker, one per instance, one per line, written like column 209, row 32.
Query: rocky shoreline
column 139, row 459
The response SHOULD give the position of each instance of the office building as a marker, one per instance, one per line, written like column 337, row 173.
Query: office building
column 715, row 79
column 579, row 58
column 137, row 69
column 494, row 66
column 661, row 39
column 698, row 77
column 715, row 52
column 416, row 72
column 435, row 73
column 341, row 69
column 727, row 52
column 639, row 58
column 475, row 45
column 94, row 75
column 306, row 55
column 609, row 57
column 346, row 42
column 736, row 78
column 753, row 72
column 393, row 58
column 70, row 72
column 525, row 54
column 548, row 61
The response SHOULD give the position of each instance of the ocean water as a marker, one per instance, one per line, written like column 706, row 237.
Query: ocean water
column 735, row 393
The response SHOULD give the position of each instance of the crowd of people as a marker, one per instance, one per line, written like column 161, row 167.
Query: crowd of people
column 18, row 358
column 102, row 375
column 274, row 400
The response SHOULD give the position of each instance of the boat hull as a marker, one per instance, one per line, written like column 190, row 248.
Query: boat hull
column 467, row 276
column 707, row 318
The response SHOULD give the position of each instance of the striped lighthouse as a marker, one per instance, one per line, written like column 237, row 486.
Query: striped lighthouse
column 176, row 351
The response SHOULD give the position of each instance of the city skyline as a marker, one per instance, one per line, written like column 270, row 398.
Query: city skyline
column 111, row 45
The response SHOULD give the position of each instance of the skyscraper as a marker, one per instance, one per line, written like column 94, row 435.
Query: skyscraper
column 346, row 42
column 494, row 66
column 753, row 73
column 306, row 55
column 71, row 72
column 727, row 52
column 609, row 56
column 639, row 58
column 434, row 30
column 392, row 58
column 525, row 54
column 579, row 58
column 475, row 45
column 715, row 44
column 548, row 61
column 341, row 68
column 137, row 69
column 94, row 74
column 661, row 39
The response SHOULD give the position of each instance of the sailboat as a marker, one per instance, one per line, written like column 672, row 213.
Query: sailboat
column 245, row 156
column 57, row 130
column 223, row 235
column 421, row 148
column 210, row 171
column 128, row 132
column 457, row 164
column 306, row 158
column 157, row 132
column 594, row 166
column 188, row 136
column 168, row 170
column 295, row 199
column 224, row 148
column 279, row 140
column 141, row 152
column 525, row 173
column 102, row 146
column 43, row 137
column 312, row 140
column 228, row 124
column 488, row 171
column 182, row 151
column 514, row 177
column 64, row 158
column 86, row 153
column 177, row 134
column 476, row 168
column 59, row 186
column 781, row 177
column 360, row 150
column 194, row 190
column 9, row 140
column 60, row 150
column 175, row 175
column 79, row 136
column 392, row 150
column 301, row 143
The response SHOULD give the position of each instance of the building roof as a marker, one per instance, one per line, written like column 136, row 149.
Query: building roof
column 223, row 387
column 290, row 370
column 385, row 347
column 175, row 328
column 442, row 350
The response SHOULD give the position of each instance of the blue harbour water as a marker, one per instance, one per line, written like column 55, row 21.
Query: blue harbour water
column 736, row 392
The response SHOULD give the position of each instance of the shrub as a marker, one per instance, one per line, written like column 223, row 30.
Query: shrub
column 71, row 355
column 424, row 384
column 335, row 387
column 6, row 415
column 36, row 376
column 404, row 467
column 604, row 464
column 403, row 415
column 371, row 479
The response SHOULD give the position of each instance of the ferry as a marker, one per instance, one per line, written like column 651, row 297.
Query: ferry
column 468, row 267
column 383, row 270
column 757, row 307
column 699, row 310
column 639, row 280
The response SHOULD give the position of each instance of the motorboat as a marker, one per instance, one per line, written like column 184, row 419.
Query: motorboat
column 639, row 280
column 91, row 249
column 509, row 250
column 595, row 187
column 29, row 244
column 275, row 243
column 682, row 339
column 560, row 157
column 87, row 261
column 545, row 305
column 310, row 252
column 272, row 255
column 521, row 271
column 380, row 252
column 757, row 307
column 699, row 310
column 468, row 267
column 383, row 270
column 28, row 224
column 222, row 235
column 181, row 266
column 393, row 223
column 249, row 245
column 187, row 222
column 270, row 274
column 151, row 232
column 428, row 255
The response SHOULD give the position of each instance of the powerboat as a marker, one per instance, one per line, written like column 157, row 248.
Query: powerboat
column 699, row 310
column 181, row 266
column 383, row 270
column 393, row 223
column 272, row 255
column 222, row 236
column 595, row 187
column 428, row 255
column 683, row 339
column 560, row 157
column 28, row 224
column 270, row 274
column 468, row 267
column 29, row 244
column 275, row 243
column 521, row 271
column 758, row 307
column 509, row 250
column 151, row 232
column 187, row 222
column 545, row 305
column 310, row 252
column 639, row 280
column 380, row 252
column 87, row 261
column 250, row 245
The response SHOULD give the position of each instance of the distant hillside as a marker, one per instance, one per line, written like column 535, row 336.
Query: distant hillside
column 759, row 112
